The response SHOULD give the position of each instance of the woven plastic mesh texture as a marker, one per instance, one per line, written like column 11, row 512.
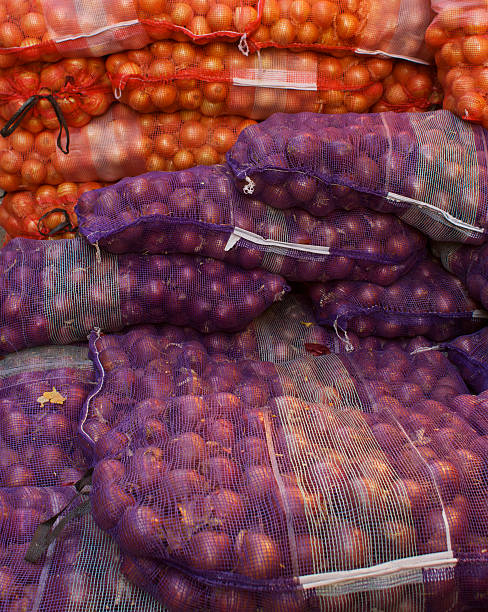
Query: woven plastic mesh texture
column 200, row 211
column 219, row 80
column 470, row 355
column 471, row 265
column 458, row 36
column 430, row 166
column 473, row 409
column 120, row 143
column 27, row 214
column 427, row 301
column 56, row 292
column 81, row 569
column 80, row 87
column 74, row 29
column 225, row 480
column 42, row 392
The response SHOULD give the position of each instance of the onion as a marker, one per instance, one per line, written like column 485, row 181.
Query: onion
column 210, row 551
column 257, row 555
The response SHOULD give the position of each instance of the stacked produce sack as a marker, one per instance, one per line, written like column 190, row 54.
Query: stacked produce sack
column 276, row 411
column 458, row 36
column 68, row 71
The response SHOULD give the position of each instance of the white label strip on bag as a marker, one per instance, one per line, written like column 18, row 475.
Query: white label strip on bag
column 276, row 79
column 391, row 55
column 114, row 26
column 480, row 314
column 239, row 233
column 430, row 561
column 456, row 222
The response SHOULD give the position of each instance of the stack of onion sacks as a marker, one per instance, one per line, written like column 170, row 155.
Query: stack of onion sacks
column 200, row 212
column 206, row 479
column 459, row 37
column 409, row 163
column 218, row 79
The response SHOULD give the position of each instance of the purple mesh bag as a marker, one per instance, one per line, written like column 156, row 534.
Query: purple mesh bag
column 470, row 355
column 470, row 264
column 427, row 301
column 430, row 168
column 42, row 392
column 79, row 571
column 200, row 211
column 56, row 292
column 474, row 408
column 220, row 492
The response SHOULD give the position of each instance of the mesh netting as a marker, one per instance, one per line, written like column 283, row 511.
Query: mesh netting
column 200, row 211
column 44, row 29
column 79, row 87
column 428, row 167
column 470, row 355
column 79, row 571
column 219, row 80
column 46, row 212
column 42, row 392
column 459, row 37
column 427, row 301
column 211, row 478
column 56, row 292
column 120, row 143
column 470, row 264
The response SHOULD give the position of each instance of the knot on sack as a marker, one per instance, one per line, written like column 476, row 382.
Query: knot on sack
column 243, row 46
column 64, row 225
column 16, row 119
column 249, row 186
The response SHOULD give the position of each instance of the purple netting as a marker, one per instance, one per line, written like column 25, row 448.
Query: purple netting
column 427, row 301
column 41, row 397
column 200, row 211
column 56, row 292
column 473, row 408
column 470, row 355
column 430, row 168
column 79, row 571
column 470, row 264
column 211, row 479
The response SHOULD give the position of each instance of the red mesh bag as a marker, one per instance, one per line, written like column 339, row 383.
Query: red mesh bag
column 48, row 212
column 219, row 80
column 200, row 211
column 212, row 481
column 48, row 30
column 459, row 36
column 32, row 96
column 426, row 301
column 395, row 27
column 120, row 143
column 43, row 29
